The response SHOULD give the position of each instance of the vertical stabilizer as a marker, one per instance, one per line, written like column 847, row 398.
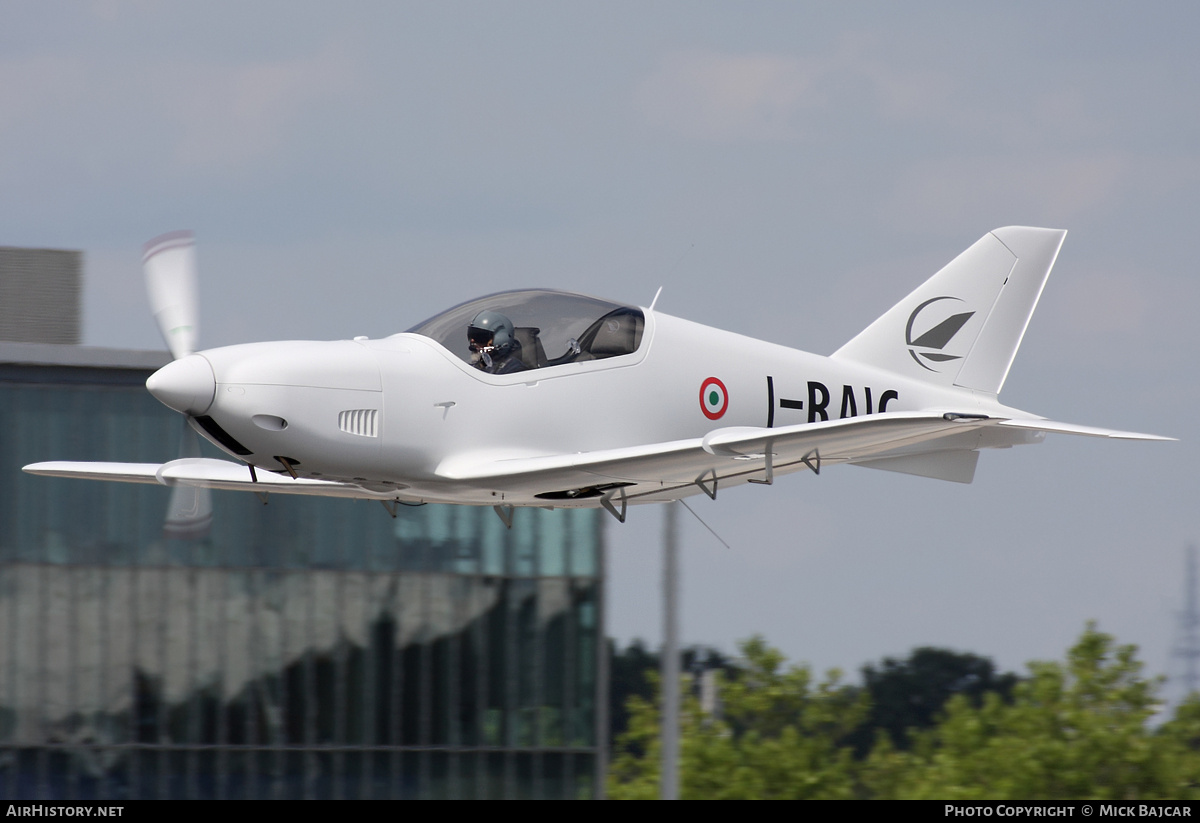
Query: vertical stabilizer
column 962, row 327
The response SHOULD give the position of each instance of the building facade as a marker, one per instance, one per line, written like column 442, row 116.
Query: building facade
column 40, row 295
column 305, row 648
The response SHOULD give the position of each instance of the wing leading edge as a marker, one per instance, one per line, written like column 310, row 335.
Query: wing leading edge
column 207, row 473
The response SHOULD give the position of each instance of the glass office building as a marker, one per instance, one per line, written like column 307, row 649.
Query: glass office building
column 304, row 648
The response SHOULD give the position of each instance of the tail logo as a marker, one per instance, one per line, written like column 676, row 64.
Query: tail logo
column 929, row 346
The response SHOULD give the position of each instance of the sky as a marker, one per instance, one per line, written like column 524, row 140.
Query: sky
column 783, row 170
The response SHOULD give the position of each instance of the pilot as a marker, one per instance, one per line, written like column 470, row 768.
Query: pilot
column 493, row 342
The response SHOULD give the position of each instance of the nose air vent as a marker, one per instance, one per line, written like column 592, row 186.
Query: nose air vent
column 363, row 422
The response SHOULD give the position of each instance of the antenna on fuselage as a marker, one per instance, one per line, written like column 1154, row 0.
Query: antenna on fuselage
column 654, row 302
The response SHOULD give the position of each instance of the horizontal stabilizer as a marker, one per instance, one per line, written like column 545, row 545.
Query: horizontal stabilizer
column 1039, row 425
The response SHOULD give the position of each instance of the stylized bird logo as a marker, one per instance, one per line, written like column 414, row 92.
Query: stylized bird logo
column 929, row 346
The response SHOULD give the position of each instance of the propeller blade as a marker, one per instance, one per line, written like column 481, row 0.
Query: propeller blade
column 189, row 514
column 169, row 262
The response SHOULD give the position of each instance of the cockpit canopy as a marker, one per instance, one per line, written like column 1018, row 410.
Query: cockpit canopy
column 552, row 328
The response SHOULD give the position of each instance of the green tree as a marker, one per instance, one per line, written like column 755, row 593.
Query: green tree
column 776, row 736
column 628, row 671
column 631, row 673
column 910, row 694
column 1180, row 739
column 1077, row 729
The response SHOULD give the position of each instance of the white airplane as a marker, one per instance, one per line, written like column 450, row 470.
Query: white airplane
column 550, row 399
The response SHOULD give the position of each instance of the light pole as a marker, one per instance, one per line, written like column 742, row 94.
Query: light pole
column 669, row 781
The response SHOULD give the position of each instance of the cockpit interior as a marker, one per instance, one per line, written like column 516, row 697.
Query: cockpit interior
column 550, row 328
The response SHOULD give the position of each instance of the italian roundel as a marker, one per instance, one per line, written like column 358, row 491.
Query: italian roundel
column 713, row 398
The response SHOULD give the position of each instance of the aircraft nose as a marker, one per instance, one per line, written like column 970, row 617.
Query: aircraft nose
column 186, row 385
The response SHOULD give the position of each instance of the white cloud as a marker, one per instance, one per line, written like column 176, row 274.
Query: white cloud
column 1124, row 311
column 232, row 115
column 109, row 10
column 763, row 97
column 1106, row 303
column 33, row 87
column 211, row 115
column 957, row 192
column 725, row 97
column 954, row 193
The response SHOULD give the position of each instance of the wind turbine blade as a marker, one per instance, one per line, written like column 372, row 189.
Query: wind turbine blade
column 169, row 263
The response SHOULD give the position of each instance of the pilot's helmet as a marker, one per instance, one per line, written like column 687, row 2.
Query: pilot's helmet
column 494, row 328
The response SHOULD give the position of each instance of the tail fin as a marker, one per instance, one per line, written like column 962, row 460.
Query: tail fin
column 962, row 326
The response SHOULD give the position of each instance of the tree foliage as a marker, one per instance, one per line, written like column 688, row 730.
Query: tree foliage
column 910, row 694
column 631, row 673
column 1079, row 728
column 774, row 738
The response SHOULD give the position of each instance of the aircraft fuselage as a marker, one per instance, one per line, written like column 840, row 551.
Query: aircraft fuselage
column 393, row 414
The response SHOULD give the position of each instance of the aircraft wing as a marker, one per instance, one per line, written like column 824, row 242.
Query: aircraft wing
column 739, row 452
column 932, row 444
column 936, row 444
column 204, row 472
column 121, row 472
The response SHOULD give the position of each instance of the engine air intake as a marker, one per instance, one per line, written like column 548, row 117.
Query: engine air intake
column 362, row 422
